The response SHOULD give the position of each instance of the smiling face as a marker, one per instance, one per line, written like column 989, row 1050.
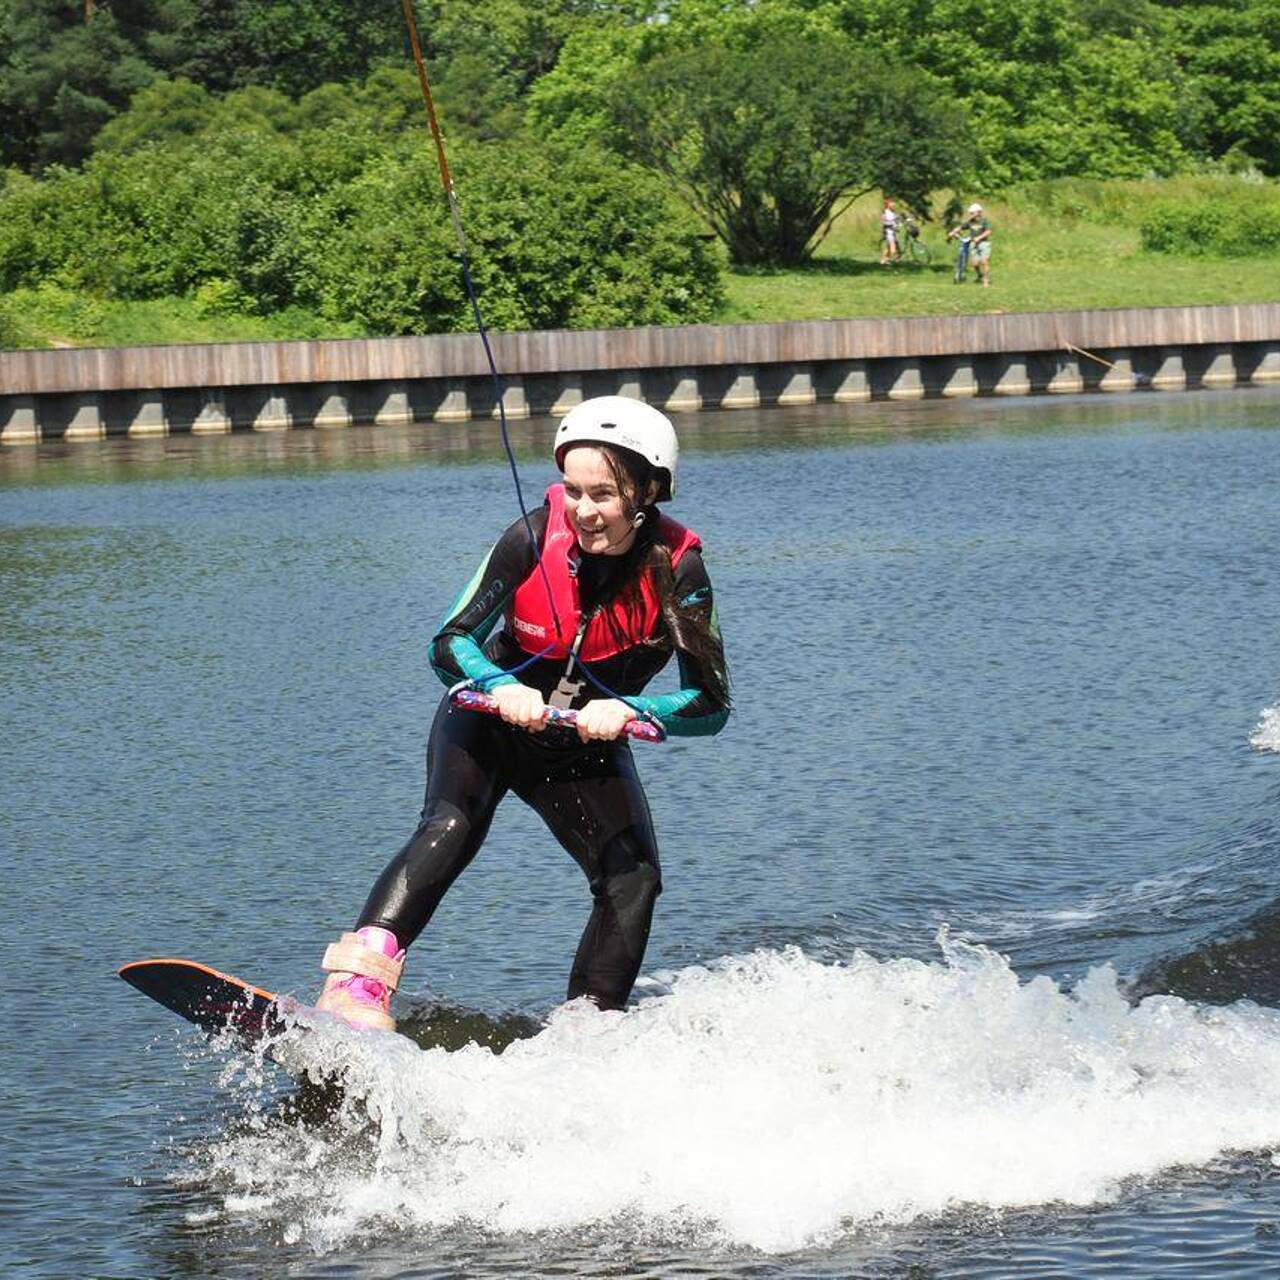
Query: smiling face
column 599, row 513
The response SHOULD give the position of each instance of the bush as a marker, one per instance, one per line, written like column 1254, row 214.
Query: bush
column 1097, row 200
column 1219, row 214
column 50, row 309
column 1212, row 228
column 219, row 297
column 256, row 217
column 12, row 334
column 558, row 240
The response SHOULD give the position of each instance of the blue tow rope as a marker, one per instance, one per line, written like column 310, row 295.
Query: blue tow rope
column 499, row 390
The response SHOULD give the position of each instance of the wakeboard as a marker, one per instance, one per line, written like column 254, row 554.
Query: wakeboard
column 220, row 1002
column 213, row 1000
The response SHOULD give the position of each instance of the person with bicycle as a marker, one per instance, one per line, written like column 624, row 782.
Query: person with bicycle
column 589, row 597
column 980, row 242
column 974, row 234
column 890, row 251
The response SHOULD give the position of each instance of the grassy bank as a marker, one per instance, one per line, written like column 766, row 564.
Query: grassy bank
column 55, row 317
column 1057, row 246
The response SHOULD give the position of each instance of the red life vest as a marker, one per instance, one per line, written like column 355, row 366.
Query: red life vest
column 620, row 625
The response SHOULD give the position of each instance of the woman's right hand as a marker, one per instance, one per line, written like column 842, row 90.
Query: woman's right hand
column 521, row 706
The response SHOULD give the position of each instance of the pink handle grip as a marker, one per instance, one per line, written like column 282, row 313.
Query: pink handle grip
column 470, row 700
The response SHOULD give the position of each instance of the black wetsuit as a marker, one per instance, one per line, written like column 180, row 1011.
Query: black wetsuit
column 588, row 794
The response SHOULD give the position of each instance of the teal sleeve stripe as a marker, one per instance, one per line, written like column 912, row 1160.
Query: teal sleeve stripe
column 678, row 726
column 474, row 665
column 663, row 705
column 666, row 708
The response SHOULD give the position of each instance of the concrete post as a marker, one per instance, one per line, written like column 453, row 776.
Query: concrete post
column 86, row 421
column 796, row 385
column 1119, row 377
column 1066, row 378
column 904, row 380
column 147, row 417
column 455, row 404
column 630, row 384
column 212, row 417
column 18, row 421
column 333, row 407
column 742, row 391
column 958, row 380
column 569, row 394
column 1012, row 378
column 1267, row 369
column 1170, row 372
column 844, row 381
column 394, row 409
column 1220, row 371
column 513, row 400
column 673, row 390
column 273, row 412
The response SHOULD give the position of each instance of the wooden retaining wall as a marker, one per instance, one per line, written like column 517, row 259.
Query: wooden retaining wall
column 86, row 394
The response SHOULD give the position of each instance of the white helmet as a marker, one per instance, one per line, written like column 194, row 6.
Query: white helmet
column 627, row 424
column 975, row 207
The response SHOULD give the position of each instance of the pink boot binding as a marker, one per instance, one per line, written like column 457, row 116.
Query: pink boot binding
column 364, row 969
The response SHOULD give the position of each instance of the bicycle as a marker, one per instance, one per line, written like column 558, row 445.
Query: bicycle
column 910, row 243
column 962, row 257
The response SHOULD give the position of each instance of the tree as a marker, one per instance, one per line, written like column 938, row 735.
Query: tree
column 64, row 73
column 484, row 58
column 768, row 143
column 290, row 45
column 161, row 112
column 1050, row 87
column 62, row 77
column 1230, row 50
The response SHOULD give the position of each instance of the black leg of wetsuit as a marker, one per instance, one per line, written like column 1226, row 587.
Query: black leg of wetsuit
column 590, row 798
column 596, row 808
column 469, row 767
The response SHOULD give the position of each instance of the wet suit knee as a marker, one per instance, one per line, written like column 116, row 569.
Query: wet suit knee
column 613, row 944
column 408, row 891
column 632, row 895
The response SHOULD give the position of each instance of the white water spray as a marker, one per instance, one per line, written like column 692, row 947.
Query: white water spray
column 1266, row 734
column 773, row 1102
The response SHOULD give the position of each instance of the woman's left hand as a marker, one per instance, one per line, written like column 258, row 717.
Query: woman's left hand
column 603, row 719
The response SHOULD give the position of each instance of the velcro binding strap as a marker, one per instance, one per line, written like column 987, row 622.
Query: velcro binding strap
column 350, row 955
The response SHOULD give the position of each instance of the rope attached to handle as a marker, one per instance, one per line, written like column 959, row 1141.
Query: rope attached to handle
column 455, row 214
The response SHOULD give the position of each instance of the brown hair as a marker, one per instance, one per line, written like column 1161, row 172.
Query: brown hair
column 687, row 627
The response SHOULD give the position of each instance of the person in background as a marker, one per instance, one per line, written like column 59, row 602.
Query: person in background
column 889, row 250
column 587, row 611
column 980, row 242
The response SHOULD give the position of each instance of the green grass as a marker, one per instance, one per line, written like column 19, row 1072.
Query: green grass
column 53, row 317
column 1041, row 260
column 1064, row 245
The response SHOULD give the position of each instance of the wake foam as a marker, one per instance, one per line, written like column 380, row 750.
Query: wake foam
column 767, row 1101
column 1266, row 735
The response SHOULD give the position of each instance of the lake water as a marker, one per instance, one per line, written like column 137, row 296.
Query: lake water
column 969, row 952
